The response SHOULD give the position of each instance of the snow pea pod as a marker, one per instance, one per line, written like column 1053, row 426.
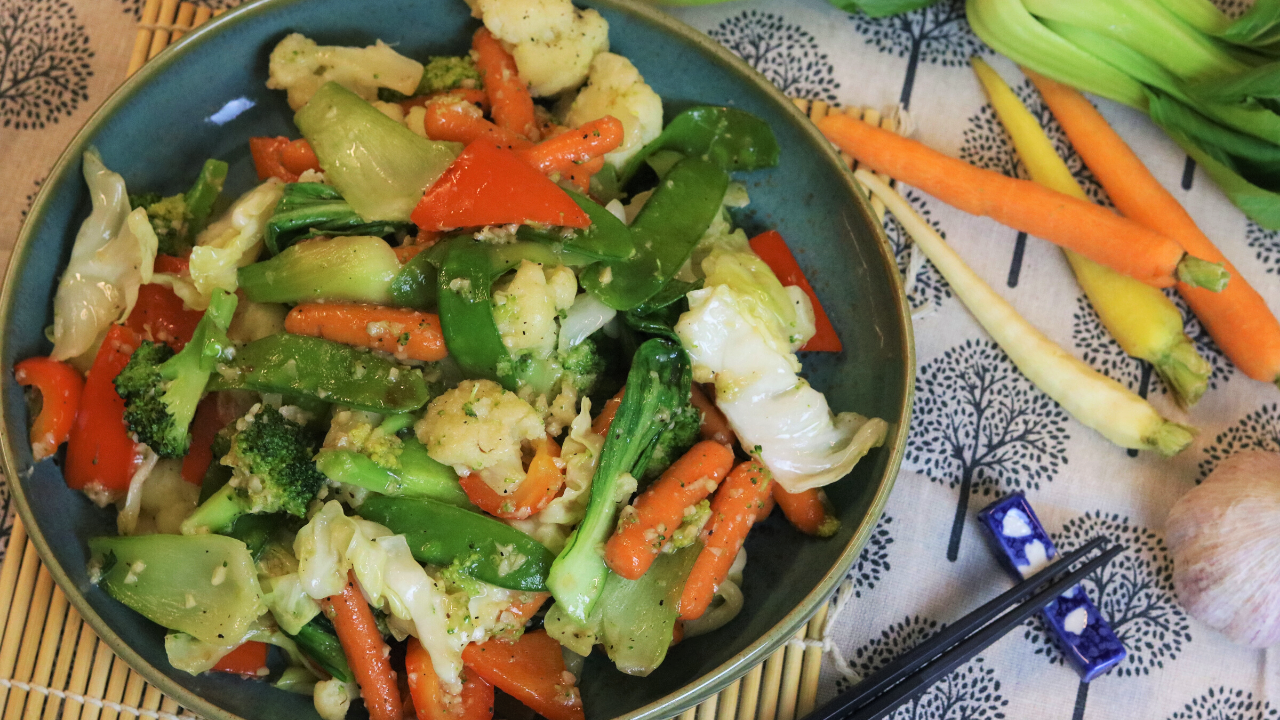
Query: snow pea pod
column 607, row 238
column 732, row 139
column 478, row 545
column 665, row 232
column 333, row 372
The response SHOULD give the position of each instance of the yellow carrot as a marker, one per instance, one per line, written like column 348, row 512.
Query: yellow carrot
column 1145, row 322
column 1095, row 400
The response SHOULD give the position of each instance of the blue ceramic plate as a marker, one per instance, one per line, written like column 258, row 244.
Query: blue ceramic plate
column 205, row 96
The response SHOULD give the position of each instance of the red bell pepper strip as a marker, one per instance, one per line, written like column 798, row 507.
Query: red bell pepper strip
column 160, row 316
column 429, row 699
column 204, row 427
column 60, row 387
column 532, row 671
column 100, row 452
column 489, row 186
column 248, row 660
column 773, row 250
column 172, row 265
column 282, row 158
column 365, row 650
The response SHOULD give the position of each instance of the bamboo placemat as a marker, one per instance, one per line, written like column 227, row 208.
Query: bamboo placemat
column 52, row 662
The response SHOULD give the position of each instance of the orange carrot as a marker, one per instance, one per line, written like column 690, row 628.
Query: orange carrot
column 1091, row 230
column 600, row 425
column 809, row 511
column 366, row 652
column 540, row 486
column 773, row 250
column 575, row 146
column 479, row 98
column 733, row 512
column 508, row 95
column 1237, row 318
column 766, row 507
column 402, row 332
column 524, row 611
column 464, row 123
column 532, row 671
column 715, row 426
column 647, row 524
column 429, row 699
column 248, row 659
column 580, row 175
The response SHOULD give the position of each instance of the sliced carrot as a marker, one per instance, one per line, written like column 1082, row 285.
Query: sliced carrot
column 281, row 157
column 430, row 702
column 297, row 156
column 532, row 671
column 525, row 610
column 733, row 512
column 508, row 95
column 647, row 524
column 773, row 250
column 249, row 660
column 464, row 123
column 60, row 388
column 1237, row 318
column 600, row 425
column 1091, row 230
column 479, row 98
column 809, row 511
column 365, row 650
column 715, row 426
column 405, row 333
column 575, row 146
column 541, row 485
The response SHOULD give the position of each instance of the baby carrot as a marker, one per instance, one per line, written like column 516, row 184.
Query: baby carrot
column 1074, row 224
column 508, row 95
column 715, row 426
column 540, row 486
column 1237, row 318
column 733, row 512
column 429, row 699
column 580, row 175
column 600, row 425
column 402, row 332
column 808, row 510
column 1089, row 396
column 464, row 123
column 366, row 652
column 575, row 146
column 646, row 525
column 531, row 670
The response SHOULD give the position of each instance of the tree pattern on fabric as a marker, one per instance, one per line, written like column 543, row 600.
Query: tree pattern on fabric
column 783, row 52
column 873, row 562
column 930, row 287
column 1222, row 703
column 44, row 62
column 938, row 35
column 1101, row 351
column 134, row 7
column 980, row 425
column 971, row 692
column 1266, row 246
column 1134, row 592
column 31, row 197
column 1259, row 430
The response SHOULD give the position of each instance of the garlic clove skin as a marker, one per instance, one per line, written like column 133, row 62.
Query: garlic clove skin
column 1225, row 540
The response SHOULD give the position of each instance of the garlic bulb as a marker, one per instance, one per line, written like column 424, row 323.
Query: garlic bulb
column 1225, row 539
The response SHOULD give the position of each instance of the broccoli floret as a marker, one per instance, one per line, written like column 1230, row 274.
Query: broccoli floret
column 271, row 471
column 141, row 200
column 170, row 219
column 583, row 365
column 161, row 389
column 680, row 433
column 177, row 219
column 449, row 73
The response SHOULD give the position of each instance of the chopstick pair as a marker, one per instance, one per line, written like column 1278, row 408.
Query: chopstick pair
column 916, row 670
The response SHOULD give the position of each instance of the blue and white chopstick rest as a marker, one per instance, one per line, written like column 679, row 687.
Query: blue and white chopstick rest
column 1024, row 548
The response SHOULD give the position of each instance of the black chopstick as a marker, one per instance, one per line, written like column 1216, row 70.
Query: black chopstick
column 912, row 673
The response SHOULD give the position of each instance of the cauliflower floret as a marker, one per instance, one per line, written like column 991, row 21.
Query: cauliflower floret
column 300, row 66
column 615, row 87
column 552, row 41
column 359, row 431
column 525, row 310
column 478, row 427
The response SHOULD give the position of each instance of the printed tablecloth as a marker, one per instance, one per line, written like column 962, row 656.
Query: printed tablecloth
column 980, row 429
